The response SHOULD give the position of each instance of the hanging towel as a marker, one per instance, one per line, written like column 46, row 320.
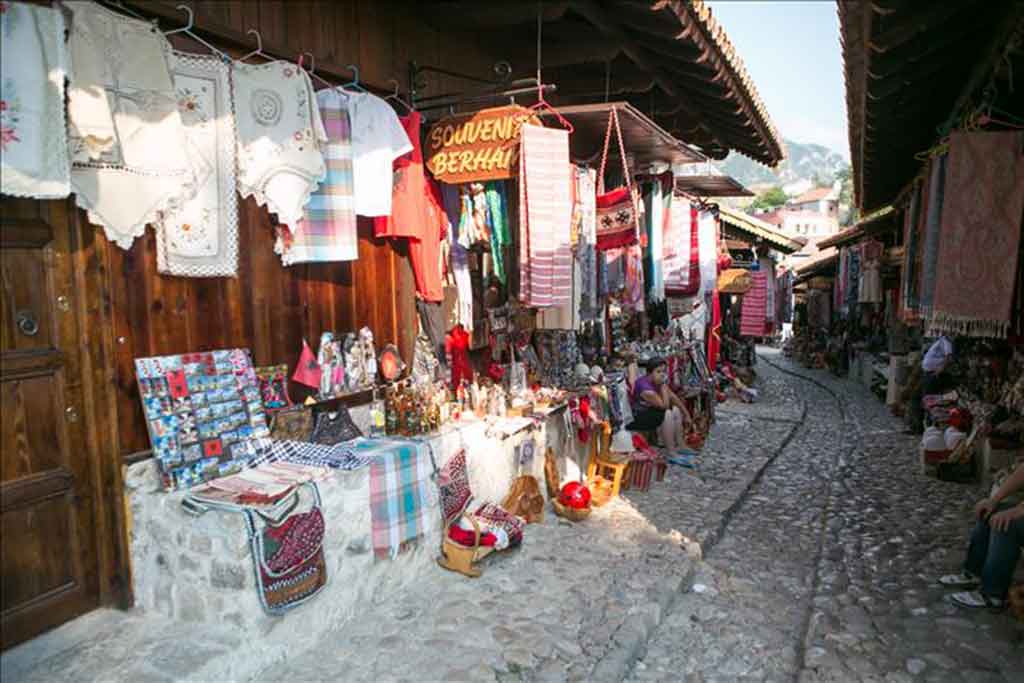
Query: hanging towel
column 980, row 235
column 682, row 251
column 545, row 214
column 33, row 133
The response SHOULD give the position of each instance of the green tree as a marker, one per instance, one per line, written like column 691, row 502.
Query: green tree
column 772, row 198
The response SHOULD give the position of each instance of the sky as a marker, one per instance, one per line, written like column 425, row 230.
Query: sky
column 792, row 53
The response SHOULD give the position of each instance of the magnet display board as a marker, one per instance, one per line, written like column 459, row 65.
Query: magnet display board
column 203, row 412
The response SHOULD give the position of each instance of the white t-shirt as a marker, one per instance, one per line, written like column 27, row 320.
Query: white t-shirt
column 377, row 140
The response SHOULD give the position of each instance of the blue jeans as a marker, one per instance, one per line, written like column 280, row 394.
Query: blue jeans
column 993, row 555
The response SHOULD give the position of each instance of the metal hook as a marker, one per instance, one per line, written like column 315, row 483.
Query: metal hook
column 312, row 61
column 354, row 69
column 188, row 26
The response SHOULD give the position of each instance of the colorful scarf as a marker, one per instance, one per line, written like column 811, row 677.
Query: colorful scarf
column 400, row 491
column 908, row 285
column 752, row 312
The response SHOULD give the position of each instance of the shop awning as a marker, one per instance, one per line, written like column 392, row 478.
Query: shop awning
column 823, row 263
column 862, row 229
column 758, row 229
column 711, row 186
column 911, row 68
column 645, row 141
column 735, row 281
column 670, row 59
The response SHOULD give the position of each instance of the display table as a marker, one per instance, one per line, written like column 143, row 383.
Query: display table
column 199, row 569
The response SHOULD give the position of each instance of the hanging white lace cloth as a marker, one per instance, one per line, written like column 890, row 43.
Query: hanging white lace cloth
column 33, row 133
column 279, row 137
column 200, row 237
column 126, row 137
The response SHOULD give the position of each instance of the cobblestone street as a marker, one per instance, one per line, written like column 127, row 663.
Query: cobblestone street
column 827, row 571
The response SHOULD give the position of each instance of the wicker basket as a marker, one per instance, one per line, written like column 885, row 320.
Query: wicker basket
column 572, row 514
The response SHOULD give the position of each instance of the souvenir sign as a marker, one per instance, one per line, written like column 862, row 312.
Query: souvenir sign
column 203, row 411
column 477, row 147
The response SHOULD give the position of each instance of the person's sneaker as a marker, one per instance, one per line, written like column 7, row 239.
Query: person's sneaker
column 964, row 579
column 976, row 600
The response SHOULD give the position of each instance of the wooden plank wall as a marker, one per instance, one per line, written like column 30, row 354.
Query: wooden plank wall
column 269, row 308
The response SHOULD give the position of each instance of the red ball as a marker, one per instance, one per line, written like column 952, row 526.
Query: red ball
column 574, row 495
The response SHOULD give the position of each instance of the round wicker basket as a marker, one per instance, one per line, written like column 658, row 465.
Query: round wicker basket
column 572, row 514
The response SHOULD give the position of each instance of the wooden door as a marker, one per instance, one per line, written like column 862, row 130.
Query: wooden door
column 48, row 555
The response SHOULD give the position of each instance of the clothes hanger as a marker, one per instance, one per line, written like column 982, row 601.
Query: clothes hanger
column 187, row 30
column 542, row 103
column 354, row 83
column 258, row 52
column 398, row 98
column 312, row 68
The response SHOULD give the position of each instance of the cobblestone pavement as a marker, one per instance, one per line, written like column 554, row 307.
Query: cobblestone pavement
column 826, row 572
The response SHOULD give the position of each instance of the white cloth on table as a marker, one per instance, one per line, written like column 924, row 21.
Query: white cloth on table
column 126, row 137
column 938, row 355
column 199, row 238
column 33, row 131
column 279, row 137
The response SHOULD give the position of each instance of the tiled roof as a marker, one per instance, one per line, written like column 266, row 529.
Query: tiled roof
column 758, row 228
column 813, row 195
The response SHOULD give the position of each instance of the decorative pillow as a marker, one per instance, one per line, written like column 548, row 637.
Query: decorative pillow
column 496, row 519
column 292, row 424
column 453, row 483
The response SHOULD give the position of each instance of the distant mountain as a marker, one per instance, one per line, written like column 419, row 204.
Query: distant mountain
column 803, row 162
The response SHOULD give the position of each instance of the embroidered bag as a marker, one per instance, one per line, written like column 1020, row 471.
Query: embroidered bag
column 292, row 424
column 618, row 220
column 288, row 556
column 334, row 427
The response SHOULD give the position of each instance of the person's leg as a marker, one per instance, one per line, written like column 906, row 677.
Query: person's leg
column 671, row 431
column 977, row 548
column 1003, row 554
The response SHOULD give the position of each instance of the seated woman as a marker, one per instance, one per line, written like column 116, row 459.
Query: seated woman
column 995, row 546
column 656, row 407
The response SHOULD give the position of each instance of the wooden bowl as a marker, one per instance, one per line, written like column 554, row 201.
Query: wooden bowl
column 572, row 514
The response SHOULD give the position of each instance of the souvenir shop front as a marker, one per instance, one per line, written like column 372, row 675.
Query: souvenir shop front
column 955, row 182
column 754, row 296
column 293, row 325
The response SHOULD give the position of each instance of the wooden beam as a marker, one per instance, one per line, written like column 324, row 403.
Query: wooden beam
column 917, row 23
column 486, row 15
column 593, row 13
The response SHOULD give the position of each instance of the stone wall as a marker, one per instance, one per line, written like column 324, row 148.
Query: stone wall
column 199, row 569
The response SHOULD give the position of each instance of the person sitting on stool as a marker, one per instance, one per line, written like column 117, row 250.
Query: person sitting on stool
column 994, row 548
column 656, row 407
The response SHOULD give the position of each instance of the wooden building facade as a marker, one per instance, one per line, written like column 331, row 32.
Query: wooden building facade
column 76, row 310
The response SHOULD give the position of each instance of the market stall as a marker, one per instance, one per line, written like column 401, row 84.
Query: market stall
column 317, row 310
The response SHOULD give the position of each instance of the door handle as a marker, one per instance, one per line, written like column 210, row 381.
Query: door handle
column 71, row 414
column 27, row 323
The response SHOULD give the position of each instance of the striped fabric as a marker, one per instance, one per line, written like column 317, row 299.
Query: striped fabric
column 400, row 492
column 755, row 301
column 545, row 216
column 328, row 229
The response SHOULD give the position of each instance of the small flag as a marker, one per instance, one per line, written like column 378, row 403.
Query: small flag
column 307, row 371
